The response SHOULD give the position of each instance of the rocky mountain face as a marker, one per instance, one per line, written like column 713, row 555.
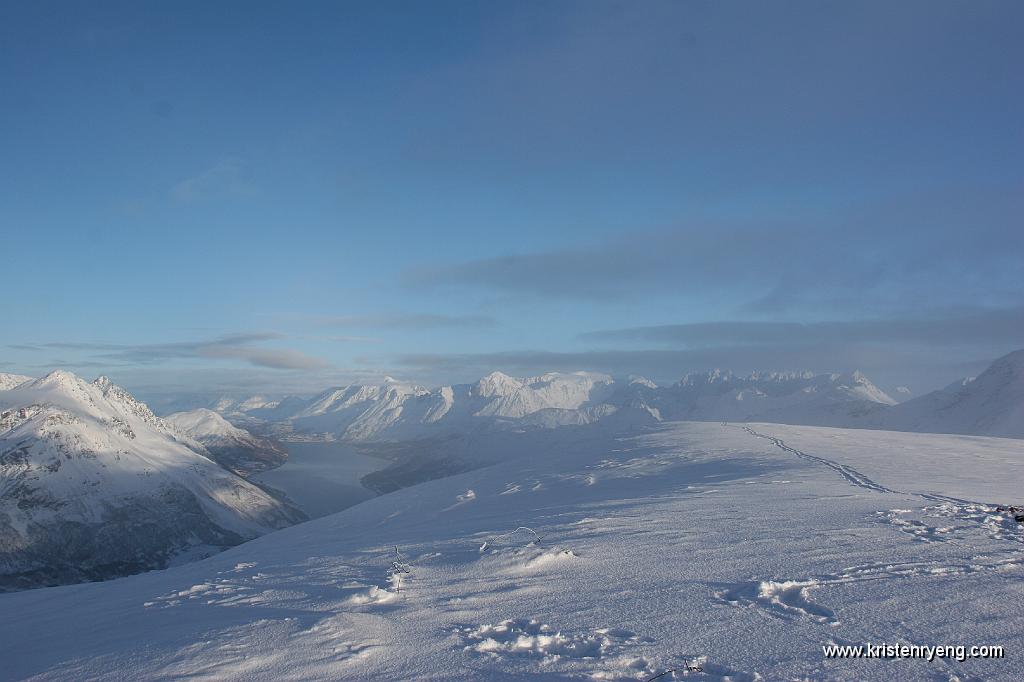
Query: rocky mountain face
column 93, row 485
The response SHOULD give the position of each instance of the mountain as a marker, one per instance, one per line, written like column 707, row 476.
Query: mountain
column 232, row 447
column 9, row 381
column 94, row 485
column 782, row 397
column 992, row 404
column 168, row 403
column 395, row 410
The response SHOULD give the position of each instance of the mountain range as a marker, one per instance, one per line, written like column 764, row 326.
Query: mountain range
column 992, row 404
column 94, row 485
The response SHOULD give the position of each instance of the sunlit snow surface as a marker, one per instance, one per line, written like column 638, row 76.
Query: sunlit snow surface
column 738, row 549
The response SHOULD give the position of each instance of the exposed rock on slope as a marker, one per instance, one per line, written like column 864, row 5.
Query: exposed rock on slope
column 234, row 448
column 93, row 485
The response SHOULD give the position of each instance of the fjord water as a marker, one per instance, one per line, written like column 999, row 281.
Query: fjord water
column 322, row 477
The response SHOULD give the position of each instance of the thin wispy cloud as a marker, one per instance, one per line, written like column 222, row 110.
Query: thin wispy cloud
column 896, row 365
column 408, row 321
column 231, row 346
column 965, row 326
column 224, row 178
column 871, row 259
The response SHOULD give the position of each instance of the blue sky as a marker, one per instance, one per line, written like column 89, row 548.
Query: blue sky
column 227, row 196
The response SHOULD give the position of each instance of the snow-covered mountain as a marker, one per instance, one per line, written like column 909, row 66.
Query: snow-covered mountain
column 94, row 485
column 231, row 446
column 992, row 404
column 394, row 410
column 230, row 405
column 783, row 397
column 9, row 381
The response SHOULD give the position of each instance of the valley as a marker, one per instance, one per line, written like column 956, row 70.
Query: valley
column 322, row 478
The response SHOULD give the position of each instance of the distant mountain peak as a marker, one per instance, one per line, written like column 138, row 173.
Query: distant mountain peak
column 9, row 381
column 498, row 383
column 635, row 380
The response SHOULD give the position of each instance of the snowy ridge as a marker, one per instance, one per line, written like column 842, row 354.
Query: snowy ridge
column 992, row 404
column 9, row 381
column 398, row 411
column 229, row 445
column 95, row 485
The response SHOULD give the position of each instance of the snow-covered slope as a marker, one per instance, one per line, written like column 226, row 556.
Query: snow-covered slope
column 94, row 485
column 741, row 553
column 992, row 404
column 232, row 447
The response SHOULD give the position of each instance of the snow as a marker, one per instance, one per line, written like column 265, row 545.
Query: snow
column 94, row 484
column 205, row 423
column 231, row 446
column 738, row 549
column 9, row 381
column 991, row 404
column 395, row 411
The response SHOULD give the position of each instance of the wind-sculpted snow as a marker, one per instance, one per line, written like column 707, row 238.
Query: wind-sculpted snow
column 93, row 485
column 685, row 551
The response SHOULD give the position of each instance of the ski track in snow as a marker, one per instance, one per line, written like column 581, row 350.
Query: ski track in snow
column 851, row 475
column 482, row 593
column 964, row 519
column 859, row 480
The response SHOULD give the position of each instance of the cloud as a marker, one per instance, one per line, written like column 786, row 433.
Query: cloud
column 924, row 368
column 274, row 358
column 927, row 351
column 951, row 244
column 346, row 338
column 233, row 346
column 224, row 178
column 408, row 321
column 944, row 328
